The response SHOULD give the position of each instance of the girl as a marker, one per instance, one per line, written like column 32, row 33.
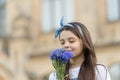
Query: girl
column 75, row 37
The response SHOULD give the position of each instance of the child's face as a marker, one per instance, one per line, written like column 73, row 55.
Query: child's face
column 71, row 42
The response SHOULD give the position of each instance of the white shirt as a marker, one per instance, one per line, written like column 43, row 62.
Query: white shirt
column 101, row 73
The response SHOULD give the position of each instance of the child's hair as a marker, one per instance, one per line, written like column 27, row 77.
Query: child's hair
column 87, row 69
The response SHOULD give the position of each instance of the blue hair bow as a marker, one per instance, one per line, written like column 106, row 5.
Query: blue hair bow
column 57, row 33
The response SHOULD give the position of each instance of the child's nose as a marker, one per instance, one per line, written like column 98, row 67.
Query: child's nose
column 67, row 45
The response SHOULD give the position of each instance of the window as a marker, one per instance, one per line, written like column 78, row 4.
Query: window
column 2, row 18
column 115, row 72
column 113, row 10
column 52, row 12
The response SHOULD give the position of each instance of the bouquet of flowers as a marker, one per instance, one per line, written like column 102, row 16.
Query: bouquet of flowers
column 59, row 59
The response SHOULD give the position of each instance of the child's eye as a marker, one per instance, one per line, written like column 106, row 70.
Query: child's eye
column 62, row 43
column 71, row 41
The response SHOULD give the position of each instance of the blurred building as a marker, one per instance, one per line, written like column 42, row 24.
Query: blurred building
column 27, row 34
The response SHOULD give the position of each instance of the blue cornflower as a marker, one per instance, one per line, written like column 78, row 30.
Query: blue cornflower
column 53, row 54
column 65, row 56
column 61, row 55
column 59, row 58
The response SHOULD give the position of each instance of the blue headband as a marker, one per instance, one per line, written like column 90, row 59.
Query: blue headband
column 57, row 33
column 58, row 30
